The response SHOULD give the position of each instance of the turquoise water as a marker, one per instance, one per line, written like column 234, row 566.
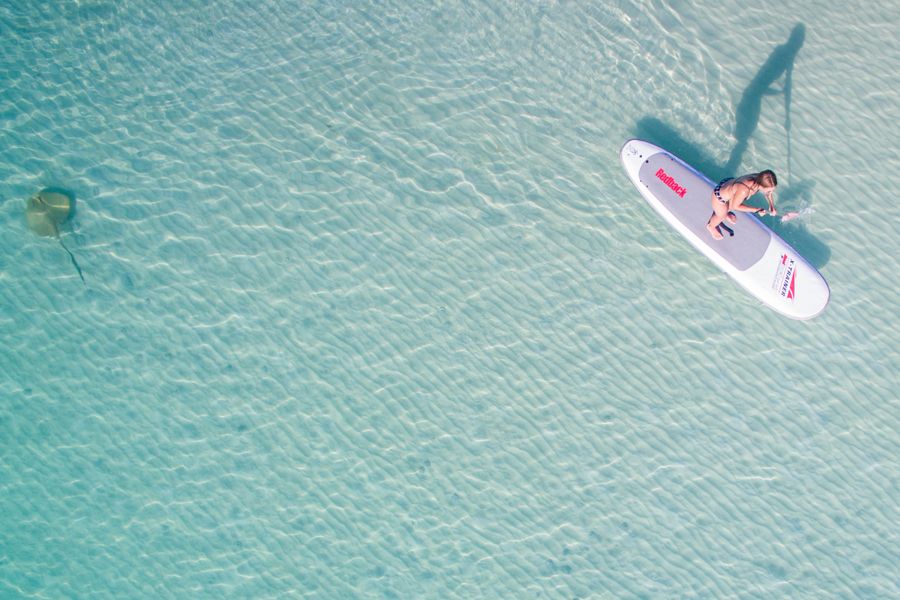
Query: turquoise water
column 371, row 310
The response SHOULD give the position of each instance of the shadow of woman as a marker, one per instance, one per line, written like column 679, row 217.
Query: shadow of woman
column 747, row 114
column 780, row 62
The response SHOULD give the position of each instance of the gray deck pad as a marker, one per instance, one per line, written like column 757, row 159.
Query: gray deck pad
column 687, row 195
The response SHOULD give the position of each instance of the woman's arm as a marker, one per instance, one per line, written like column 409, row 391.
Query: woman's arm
column 770, row 197
column 739, row 193
column 745, row 208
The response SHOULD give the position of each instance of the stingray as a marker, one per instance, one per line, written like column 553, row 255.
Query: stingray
column 46, row 211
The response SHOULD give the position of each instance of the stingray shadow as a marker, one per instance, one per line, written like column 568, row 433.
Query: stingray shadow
column 747, row 113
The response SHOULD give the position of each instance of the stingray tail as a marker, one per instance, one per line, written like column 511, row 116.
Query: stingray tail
column 74, row 262
column 71, row 256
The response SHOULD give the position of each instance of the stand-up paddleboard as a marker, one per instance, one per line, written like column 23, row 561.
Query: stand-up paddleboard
column 754, row 256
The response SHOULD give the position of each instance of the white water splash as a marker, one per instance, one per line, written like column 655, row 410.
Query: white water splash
column 802, row 213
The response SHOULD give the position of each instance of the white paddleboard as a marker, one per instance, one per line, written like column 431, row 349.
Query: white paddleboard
column 760, row 261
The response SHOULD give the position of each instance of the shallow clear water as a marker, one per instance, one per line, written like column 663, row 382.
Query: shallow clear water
column 371, row 310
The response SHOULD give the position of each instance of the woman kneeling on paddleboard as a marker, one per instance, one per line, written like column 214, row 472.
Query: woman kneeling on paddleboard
column 730, row 194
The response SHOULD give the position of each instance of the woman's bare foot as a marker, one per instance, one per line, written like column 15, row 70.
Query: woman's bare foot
column 714, row 231
column 731, row 218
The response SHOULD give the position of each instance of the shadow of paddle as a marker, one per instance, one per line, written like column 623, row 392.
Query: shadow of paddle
column 780, row 63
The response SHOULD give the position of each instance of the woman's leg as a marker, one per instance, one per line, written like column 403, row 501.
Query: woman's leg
column 720, row 211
